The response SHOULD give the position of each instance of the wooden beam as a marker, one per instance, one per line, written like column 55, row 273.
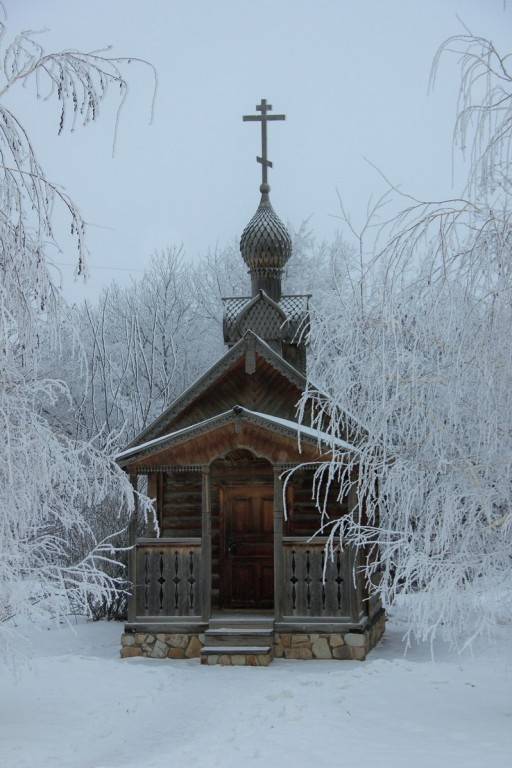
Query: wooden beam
column 206, row 571
column 278, row 543
column 132, row 557
column 353, row 566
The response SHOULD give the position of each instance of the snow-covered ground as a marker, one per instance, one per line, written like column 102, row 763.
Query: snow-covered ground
column 80, row 705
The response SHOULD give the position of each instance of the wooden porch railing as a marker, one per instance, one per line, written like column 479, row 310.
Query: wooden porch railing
column 168, row 577
column 314, row 585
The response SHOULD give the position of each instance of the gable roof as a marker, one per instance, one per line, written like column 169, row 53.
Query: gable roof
column 276, row 424
column 249, row 343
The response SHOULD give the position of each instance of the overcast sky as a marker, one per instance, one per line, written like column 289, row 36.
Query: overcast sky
column 350, row 75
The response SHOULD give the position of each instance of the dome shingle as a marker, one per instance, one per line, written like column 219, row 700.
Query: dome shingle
column 265, row 244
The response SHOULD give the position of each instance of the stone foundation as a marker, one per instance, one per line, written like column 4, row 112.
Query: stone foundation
column 353, row 645
column 160, row 646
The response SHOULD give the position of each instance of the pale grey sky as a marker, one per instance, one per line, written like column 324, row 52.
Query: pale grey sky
column 350, row 76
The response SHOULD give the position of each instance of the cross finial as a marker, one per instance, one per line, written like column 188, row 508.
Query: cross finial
column 264, row 108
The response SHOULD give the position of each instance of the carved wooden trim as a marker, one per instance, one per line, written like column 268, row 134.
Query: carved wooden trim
column 168, row 468
column 235, row 416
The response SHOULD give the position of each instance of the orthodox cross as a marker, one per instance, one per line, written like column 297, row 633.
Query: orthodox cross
column 264, row 108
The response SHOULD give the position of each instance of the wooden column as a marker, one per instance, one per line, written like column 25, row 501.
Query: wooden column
column 353, row 562
column 153, row 492
column 132, row 554
column 278, row 543
column 206, row 543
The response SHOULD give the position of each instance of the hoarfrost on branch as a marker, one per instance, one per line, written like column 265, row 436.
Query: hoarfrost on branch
column 413, row 361
column 51, row 561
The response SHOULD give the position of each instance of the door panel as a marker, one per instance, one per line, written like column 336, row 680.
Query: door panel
column 248, row 561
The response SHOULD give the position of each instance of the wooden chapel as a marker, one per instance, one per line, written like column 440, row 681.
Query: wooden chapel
column 229, row 576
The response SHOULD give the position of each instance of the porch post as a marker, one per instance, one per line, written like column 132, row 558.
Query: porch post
column 353, row 563
column 278, row 543
column 206, row 543
column 132, row 552
column 153, row 492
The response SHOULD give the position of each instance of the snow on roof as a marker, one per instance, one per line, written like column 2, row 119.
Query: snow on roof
column 150, row 443
column 317, row 434
column 293, row 426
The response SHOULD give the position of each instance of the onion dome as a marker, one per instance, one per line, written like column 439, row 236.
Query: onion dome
column 266, row 246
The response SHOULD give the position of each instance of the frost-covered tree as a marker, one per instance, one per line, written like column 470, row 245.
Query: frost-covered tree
column 47, row 478
column 142, row 346
column 413, row 364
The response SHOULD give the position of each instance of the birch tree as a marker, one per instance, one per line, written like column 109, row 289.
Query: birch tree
column 47, row 479
column 414, row 367
column 143, row 345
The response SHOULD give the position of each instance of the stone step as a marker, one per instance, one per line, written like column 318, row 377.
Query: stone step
column 240, row 621
column 235, row 655
column 230, row 650
column 238, row 636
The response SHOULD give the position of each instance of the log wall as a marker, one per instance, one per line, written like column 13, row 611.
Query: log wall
column 303, row 517
column 181, row 507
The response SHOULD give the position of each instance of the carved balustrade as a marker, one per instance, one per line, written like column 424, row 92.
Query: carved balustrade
column 315, row 585
column 168, row 577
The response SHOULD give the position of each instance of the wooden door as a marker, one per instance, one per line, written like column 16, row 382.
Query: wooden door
column 248, row 556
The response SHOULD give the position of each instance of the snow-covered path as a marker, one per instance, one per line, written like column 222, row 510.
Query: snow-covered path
column 81, row 706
